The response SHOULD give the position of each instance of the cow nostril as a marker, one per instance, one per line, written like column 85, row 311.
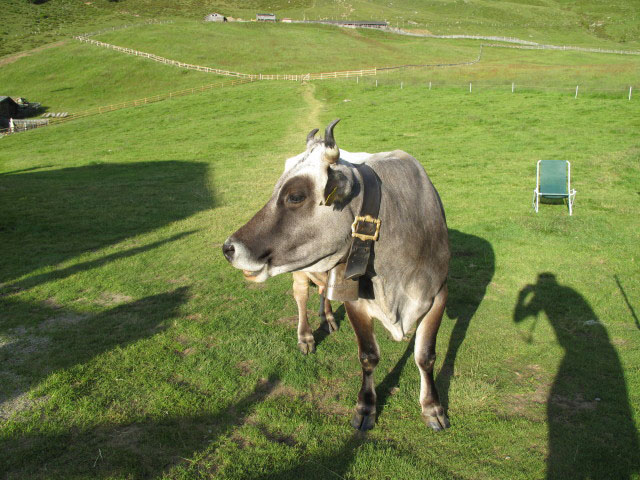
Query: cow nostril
column 229, row 251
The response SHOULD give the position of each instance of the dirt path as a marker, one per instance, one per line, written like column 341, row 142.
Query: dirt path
column 12, row 58
column 315, row 105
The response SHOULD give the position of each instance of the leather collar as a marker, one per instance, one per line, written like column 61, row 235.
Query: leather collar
column 366, row 226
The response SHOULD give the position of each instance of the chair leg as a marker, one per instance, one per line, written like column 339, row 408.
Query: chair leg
column 570, row 201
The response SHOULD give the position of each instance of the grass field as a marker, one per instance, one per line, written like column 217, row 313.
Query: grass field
column 129, row 348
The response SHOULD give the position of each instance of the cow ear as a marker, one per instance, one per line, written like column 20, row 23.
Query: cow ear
column 339, row 186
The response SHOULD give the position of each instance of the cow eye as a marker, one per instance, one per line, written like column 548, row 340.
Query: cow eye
column 296, row 198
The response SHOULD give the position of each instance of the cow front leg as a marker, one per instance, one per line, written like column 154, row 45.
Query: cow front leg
column 328, row 321
column 306, row 343
column 425, row 357
column 369, row 355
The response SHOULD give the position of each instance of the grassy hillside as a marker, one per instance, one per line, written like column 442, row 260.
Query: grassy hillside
column 268, row 48
column 129, row 347
column 73, row 76
column 28, row 25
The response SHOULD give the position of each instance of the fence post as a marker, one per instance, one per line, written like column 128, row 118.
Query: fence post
column 429, row 85
column 376, row 83
column 630, row 93
column 469, row 87
column 513, row 87
column 576, row 91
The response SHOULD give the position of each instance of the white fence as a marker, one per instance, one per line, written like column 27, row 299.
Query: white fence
column 228, row 73
column 564, row 48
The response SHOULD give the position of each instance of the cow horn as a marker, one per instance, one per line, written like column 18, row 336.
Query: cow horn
column 331, row 150
column 311, row 136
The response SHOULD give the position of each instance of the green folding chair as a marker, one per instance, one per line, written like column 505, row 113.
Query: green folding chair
column 553, row 181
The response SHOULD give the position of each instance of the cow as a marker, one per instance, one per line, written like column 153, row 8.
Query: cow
column 377, row 224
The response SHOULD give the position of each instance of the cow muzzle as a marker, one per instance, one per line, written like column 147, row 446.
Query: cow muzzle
column 236, row 253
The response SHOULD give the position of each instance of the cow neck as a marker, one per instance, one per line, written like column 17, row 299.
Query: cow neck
column 342, row 284
column 365, row 228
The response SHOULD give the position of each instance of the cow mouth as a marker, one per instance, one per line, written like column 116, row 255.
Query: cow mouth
column 250, row 275
column 257, row 276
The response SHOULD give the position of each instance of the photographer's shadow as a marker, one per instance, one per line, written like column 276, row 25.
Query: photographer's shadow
column 591, row 429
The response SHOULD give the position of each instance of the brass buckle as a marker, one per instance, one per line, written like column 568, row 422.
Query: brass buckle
column 362, row 236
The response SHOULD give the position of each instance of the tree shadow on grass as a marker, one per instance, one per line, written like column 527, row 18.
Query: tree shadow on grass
column 62, row 273
column 66, row 338
column 591, row 428
column 52, row 216
column 143, row 449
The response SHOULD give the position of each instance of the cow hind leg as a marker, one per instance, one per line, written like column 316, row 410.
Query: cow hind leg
column 425, row 357
column 328, row 321
column 369, row 355
column 306, row 343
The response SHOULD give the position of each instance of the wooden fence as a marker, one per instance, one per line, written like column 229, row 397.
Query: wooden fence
column 261, row 76
column 564, row 48
column 138, row 102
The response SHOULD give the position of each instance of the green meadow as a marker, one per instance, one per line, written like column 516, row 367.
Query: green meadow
column 129, row 348
column 31, row 23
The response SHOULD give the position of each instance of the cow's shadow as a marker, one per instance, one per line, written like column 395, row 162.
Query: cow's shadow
column 591, row 428
column 470, row 271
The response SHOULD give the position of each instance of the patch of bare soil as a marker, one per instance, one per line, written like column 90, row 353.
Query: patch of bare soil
column 19, row 345
column 16, row 56
column 63, row 321
column 531, row 404
column 575, row 403
column 324, row 395
column 52, row 304
column 292, row 321
column 109, row 299
column 245, row 367
column 18, row 404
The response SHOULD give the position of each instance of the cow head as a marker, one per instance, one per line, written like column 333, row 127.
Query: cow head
column 305, row 225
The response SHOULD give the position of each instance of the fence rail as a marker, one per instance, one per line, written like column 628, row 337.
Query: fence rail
column 135, row 103
column 228, row 73
column 564, row 48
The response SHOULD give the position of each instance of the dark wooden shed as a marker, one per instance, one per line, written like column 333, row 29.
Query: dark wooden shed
column 8, row 107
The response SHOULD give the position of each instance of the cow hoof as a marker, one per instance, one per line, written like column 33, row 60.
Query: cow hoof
column 307, row 347
column 437, row 420
column 363, row 422
column 330, row 325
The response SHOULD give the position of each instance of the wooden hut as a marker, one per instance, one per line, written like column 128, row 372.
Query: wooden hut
column 266, row 17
